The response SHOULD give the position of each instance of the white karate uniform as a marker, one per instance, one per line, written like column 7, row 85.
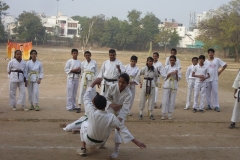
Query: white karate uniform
column 76, row 124
column 72, row 82
column 200, row 86
column 99, row 124
column 170, row 87
column 120, row 98
column 158, row 66
column 89, row 73
column 132, row 72
column 212, row 82
column 146, row 84
column 191, row 82
column 178, row 62
column 109, row 71
column 34, row 71
column 236, row 109
column 17, row 80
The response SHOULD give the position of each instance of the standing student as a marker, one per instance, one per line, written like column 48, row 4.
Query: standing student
column 191, row 81
column 119, row 100
column 17, row 73
column 110, row 71
column 34, row 71
column 132, row 70
column 236, row 110
column 173, row 53
column 170, row 87
column 73, row 69
column 213, row 64
column 89, row 72
column 201, row 73
column 150, row 75
column 158, row 66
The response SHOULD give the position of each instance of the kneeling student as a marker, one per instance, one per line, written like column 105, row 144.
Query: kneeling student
column 201, row 73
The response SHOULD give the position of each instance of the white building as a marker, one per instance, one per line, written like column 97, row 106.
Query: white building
column 66, row 26
column 9, row 23
column 201, row 17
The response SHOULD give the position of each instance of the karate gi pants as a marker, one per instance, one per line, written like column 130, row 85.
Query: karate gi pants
column 83, row 136
column 13, row 91
column 236, row 112
column 132, row 89
column 212, row 94
column 33, row 92
column 143, row 98
column 199, row 88
column 191, row 83
column 72, row 87
column 168, row 100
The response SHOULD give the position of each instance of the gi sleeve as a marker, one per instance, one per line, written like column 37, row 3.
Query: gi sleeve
column 102, row 70
column 67, row 67
column 221, row 63
column 187, row 74
column 167, row 61
column 236, row 83
column 40, row 70
column 87, row 99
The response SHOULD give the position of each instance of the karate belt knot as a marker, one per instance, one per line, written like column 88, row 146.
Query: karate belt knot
column 171, row 80
column 108, row 80
column 75, row 73
column 148, row 88
column 30, row 73
column 85, row 77
column 18, row 71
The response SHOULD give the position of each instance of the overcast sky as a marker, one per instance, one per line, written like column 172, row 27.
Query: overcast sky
column 170, row 9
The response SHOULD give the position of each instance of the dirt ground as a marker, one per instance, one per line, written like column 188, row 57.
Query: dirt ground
column 37, row 135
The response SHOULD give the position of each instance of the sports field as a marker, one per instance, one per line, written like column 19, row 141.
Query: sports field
column 37, row 135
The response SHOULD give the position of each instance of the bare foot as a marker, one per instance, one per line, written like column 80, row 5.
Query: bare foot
column 75, row 131
column 139, row 144
column 62, row 125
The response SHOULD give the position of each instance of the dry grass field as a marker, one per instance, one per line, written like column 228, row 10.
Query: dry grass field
column 36, row 135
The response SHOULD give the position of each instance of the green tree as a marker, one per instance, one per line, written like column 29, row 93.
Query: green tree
column 3, row 8
column 30, row 27
column 163, row 37
column 174, row 39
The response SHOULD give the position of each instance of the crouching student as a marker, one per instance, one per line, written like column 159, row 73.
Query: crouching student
column 170, row 87
column 119, row 100
column 17, row 74
column 97, row 129
column 236, row 109
column 201, row 73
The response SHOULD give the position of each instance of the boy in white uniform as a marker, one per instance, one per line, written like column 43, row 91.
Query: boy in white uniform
column 119, row 100
column 201, row 73
column 173, row 53
column 95, row 131
column 17, row 73
column 191, row 81
column 132, row 70
column 110, row 71
column 89, row 72
column 212, row 83
column 158, row 66
column 35, row 75
column 73, row 69
column 170, row 87
column 236, row 110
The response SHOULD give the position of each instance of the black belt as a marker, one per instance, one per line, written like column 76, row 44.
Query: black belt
column 18, row 71
column 109, row 80
column 75, row 73
column 93, row 140
column 148, row 79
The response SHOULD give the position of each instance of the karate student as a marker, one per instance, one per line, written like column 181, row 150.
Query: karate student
column 213, row 64
column 201, row 73
column 236, row 110
column 150, row 75
column 132, row 70
column 17, row 73
column 89, row 72
column 191, row 81
column 95, row 131
column 110, row 71
column 119, row 100
column 73, row 69
column 34, row 71
column 170, row 87
column 173, row 53
column 158, row 66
